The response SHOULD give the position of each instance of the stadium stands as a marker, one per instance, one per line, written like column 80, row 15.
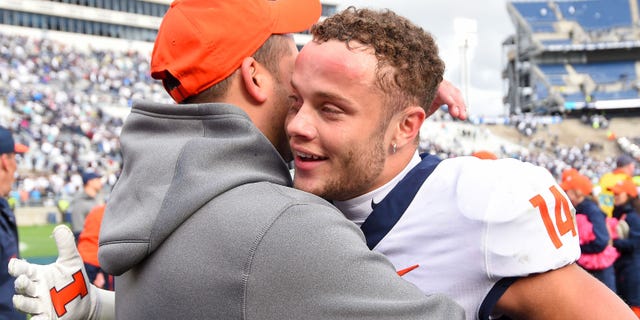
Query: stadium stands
column 554, row 73
column 597, row 15
column 609, row 71
column 68, row 104
column 539, row 15
column 616, row 95
column 583, row 55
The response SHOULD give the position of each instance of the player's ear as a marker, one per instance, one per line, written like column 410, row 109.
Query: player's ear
column 255, row 77
column 409, row 125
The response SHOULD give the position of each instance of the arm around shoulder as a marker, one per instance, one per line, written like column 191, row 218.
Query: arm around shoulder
column 313, row 263
column 565, row 293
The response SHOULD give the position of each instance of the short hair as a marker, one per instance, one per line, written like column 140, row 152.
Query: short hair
column 411, row 52
column 269, row 55
column 623, row 160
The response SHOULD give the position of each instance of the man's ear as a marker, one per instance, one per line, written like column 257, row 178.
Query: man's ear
column 411, row 120
column 254, row 77
column 4, row 162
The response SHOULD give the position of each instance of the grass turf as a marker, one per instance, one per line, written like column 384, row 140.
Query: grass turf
column 36, row 243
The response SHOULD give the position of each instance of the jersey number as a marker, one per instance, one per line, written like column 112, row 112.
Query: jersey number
column 564, row 223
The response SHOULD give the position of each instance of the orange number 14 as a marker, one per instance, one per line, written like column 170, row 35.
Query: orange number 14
column 564, row 224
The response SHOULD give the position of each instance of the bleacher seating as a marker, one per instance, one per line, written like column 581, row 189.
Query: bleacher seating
column 597, row 15
column 582, row 51
column 538, row 14
column 551, row 42
column 554, row 73
column 542, row 27
column 592, row 15
column 541, row 90
column 574, row 97
column 535, row 11
column 608, row 72
column 602, row 73
column 616, row 95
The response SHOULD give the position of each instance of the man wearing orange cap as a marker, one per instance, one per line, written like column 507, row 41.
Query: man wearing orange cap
column 203, row 222
column 597, row 255
column 625, row 167
column 8, row 228
column 627, row 266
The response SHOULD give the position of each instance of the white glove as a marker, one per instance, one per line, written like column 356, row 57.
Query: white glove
column 60, row 290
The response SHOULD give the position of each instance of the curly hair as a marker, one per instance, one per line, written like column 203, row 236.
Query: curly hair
column 415, row 70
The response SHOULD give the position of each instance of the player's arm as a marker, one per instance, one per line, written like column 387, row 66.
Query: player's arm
column 60, row 290
column 565, row 293
column 519, row 196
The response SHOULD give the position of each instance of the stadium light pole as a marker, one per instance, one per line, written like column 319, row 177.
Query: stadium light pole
column 466, row 38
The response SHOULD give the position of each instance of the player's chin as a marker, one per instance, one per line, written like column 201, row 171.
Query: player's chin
column 307, row 184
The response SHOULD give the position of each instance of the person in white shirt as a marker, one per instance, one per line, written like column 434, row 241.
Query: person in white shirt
column 498, row 236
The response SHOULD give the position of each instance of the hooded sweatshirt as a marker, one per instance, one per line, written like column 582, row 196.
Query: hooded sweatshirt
column 203, row 224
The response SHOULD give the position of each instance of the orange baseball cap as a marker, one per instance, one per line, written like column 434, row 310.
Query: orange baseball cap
column 627, row 186
column 8, row 144
column 568, row 172
column 578, row 182
column 202, row 42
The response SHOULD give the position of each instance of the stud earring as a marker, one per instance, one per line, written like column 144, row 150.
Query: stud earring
column 394, row 147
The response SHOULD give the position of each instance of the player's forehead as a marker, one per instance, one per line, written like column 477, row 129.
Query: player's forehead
column 335, row 62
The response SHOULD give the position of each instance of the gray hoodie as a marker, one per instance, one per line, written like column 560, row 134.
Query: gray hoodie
column 203, row 224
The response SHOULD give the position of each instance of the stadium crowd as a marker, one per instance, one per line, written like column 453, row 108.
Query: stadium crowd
column 546, row 153
column 59, row 100
column 54, row 100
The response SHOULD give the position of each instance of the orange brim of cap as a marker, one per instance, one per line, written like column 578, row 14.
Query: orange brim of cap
column 485, row 155
column 294, row 15
column 626, row 186
column 20, row 148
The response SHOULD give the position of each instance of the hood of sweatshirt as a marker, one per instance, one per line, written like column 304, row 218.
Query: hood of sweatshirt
column 176, row 158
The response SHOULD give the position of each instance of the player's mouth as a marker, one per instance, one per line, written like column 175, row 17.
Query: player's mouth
column 305, row 161
column 305, row 157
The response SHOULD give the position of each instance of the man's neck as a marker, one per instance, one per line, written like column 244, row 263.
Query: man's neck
column 91, row 192
column 394, row 166
column 359, row 208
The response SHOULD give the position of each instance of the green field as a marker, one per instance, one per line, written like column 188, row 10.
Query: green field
column 37, row 244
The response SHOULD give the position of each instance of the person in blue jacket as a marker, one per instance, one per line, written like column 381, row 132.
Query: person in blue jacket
column 628, row 264
column 597, row 256
column 8, row 228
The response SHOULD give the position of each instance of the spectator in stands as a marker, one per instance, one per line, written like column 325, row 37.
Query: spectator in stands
column 597, row 255
column 627, row 266
column 8, row 227
column 84, row 201
column 626, row 164
column 624, row 170
column 636, row 201
column 88, row 249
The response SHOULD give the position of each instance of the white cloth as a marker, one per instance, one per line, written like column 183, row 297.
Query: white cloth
column 475, row 222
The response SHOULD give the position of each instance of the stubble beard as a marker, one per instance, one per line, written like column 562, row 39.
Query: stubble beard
column 357, row 170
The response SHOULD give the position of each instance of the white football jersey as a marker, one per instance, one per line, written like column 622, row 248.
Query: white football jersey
column 473, row 227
